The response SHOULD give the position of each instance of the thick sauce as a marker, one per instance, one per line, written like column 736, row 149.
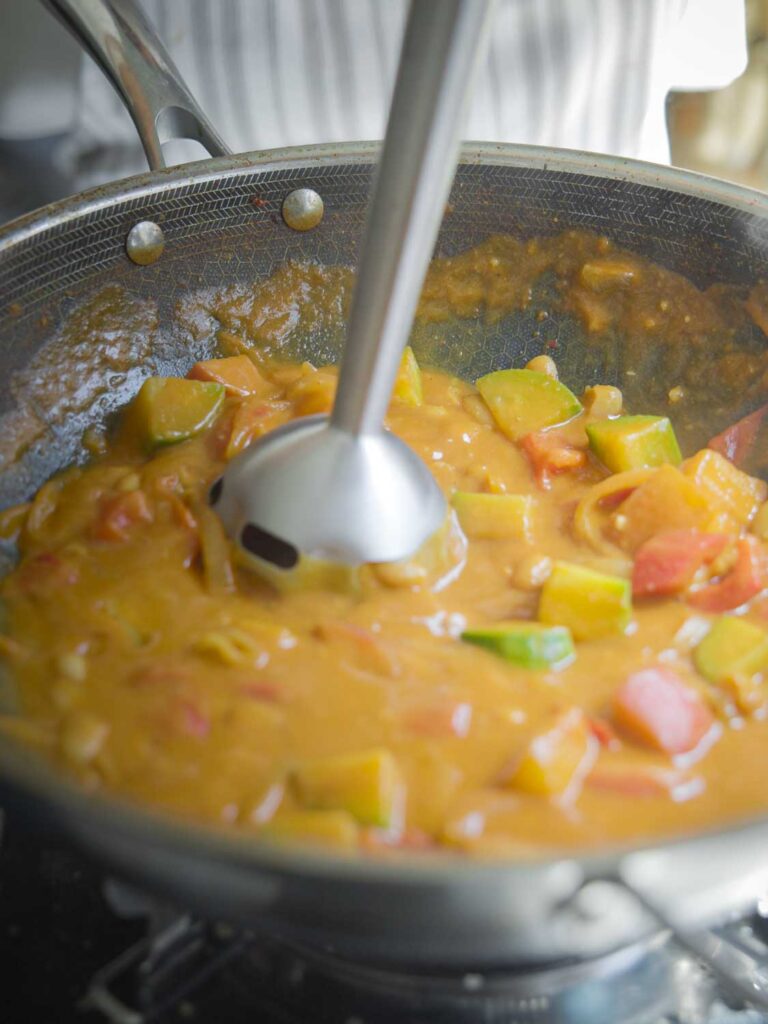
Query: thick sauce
column 148, row 663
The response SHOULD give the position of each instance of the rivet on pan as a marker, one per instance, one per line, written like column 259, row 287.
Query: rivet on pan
column 145, row 242
column 303, row 209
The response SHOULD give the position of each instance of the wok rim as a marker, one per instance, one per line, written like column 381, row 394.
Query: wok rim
column 65, row 801
column 144, row 185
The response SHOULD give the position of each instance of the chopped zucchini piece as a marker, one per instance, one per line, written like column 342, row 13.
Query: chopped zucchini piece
column 495, row 515
column 557, row 759
column 527, row 644
column 367, row 785
column 588, row 603
column 634, row 442
column 171, row 409
column 732, row 647
column 522, row 401
column 408, row 381
column 724, row 486
column 326, row 828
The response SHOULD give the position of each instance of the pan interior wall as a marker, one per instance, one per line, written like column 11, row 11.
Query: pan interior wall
column 226, row 230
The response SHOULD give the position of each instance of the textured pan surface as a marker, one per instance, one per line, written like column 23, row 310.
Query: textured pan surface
column 222, row 225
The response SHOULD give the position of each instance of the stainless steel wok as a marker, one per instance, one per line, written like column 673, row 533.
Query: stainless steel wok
column 221, row 223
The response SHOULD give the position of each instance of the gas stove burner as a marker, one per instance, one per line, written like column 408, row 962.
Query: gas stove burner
column 216, row 973
column 165, row 967
column 638, row 979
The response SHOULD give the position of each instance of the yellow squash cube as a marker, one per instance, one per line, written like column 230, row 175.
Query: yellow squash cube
column 366, row 785
column 495, row 516
column 634, row 442
column 408, row 381
column 557, row 759
column 325, row 828
column 591, row 604
column 733, row 646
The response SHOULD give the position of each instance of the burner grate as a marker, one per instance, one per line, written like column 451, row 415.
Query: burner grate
column 206, row 972
column 163, row 967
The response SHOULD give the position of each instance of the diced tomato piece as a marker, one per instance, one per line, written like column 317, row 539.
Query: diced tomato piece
column 237, row 373
column 161, row 674
column 262, row 689
column 444, row 719
column 667, row 563
column 655, row 706
column 604, row 733
column 360, row 646
column 190, row 720
column 252, row 418
column 46, row 572
column 120, row 514
column 744, row 581
column 643, row 781
column 379, row 841
column 738, row 441
column 182, row 515
column 550, row 453
column 165, row 485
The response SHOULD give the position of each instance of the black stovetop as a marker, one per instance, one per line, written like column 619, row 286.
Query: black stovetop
column 70, row 939
column 56, row 928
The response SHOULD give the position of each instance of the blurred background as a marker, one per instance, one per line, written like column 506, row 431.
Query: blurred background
column 724, row 133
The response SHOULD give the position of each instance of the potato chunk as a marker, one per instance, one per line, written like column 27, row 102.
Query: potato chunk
column 668, row 500
column 725, row 486
column 238, row 374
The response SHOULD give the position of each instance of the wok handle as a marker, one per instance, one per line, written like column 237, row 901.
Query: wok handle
column 736, row 966
column 124, row 44
column 741, row 968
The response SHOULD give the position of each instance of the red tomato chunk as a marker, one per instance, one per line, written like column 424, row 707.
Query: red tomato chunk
column 667, row 563
column 738, row 441
column 550, row 453
column 744, row 581
column 120, row 514
column 657, row 708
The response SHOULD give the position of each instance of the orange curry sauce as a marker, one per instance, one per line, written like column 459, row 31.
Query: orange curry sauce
column 150, row 664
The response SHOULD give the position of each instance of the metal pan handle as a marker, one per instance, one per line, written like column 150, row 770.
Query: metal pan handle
column 739, row 967
column 121, row 40
column 726, row 875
